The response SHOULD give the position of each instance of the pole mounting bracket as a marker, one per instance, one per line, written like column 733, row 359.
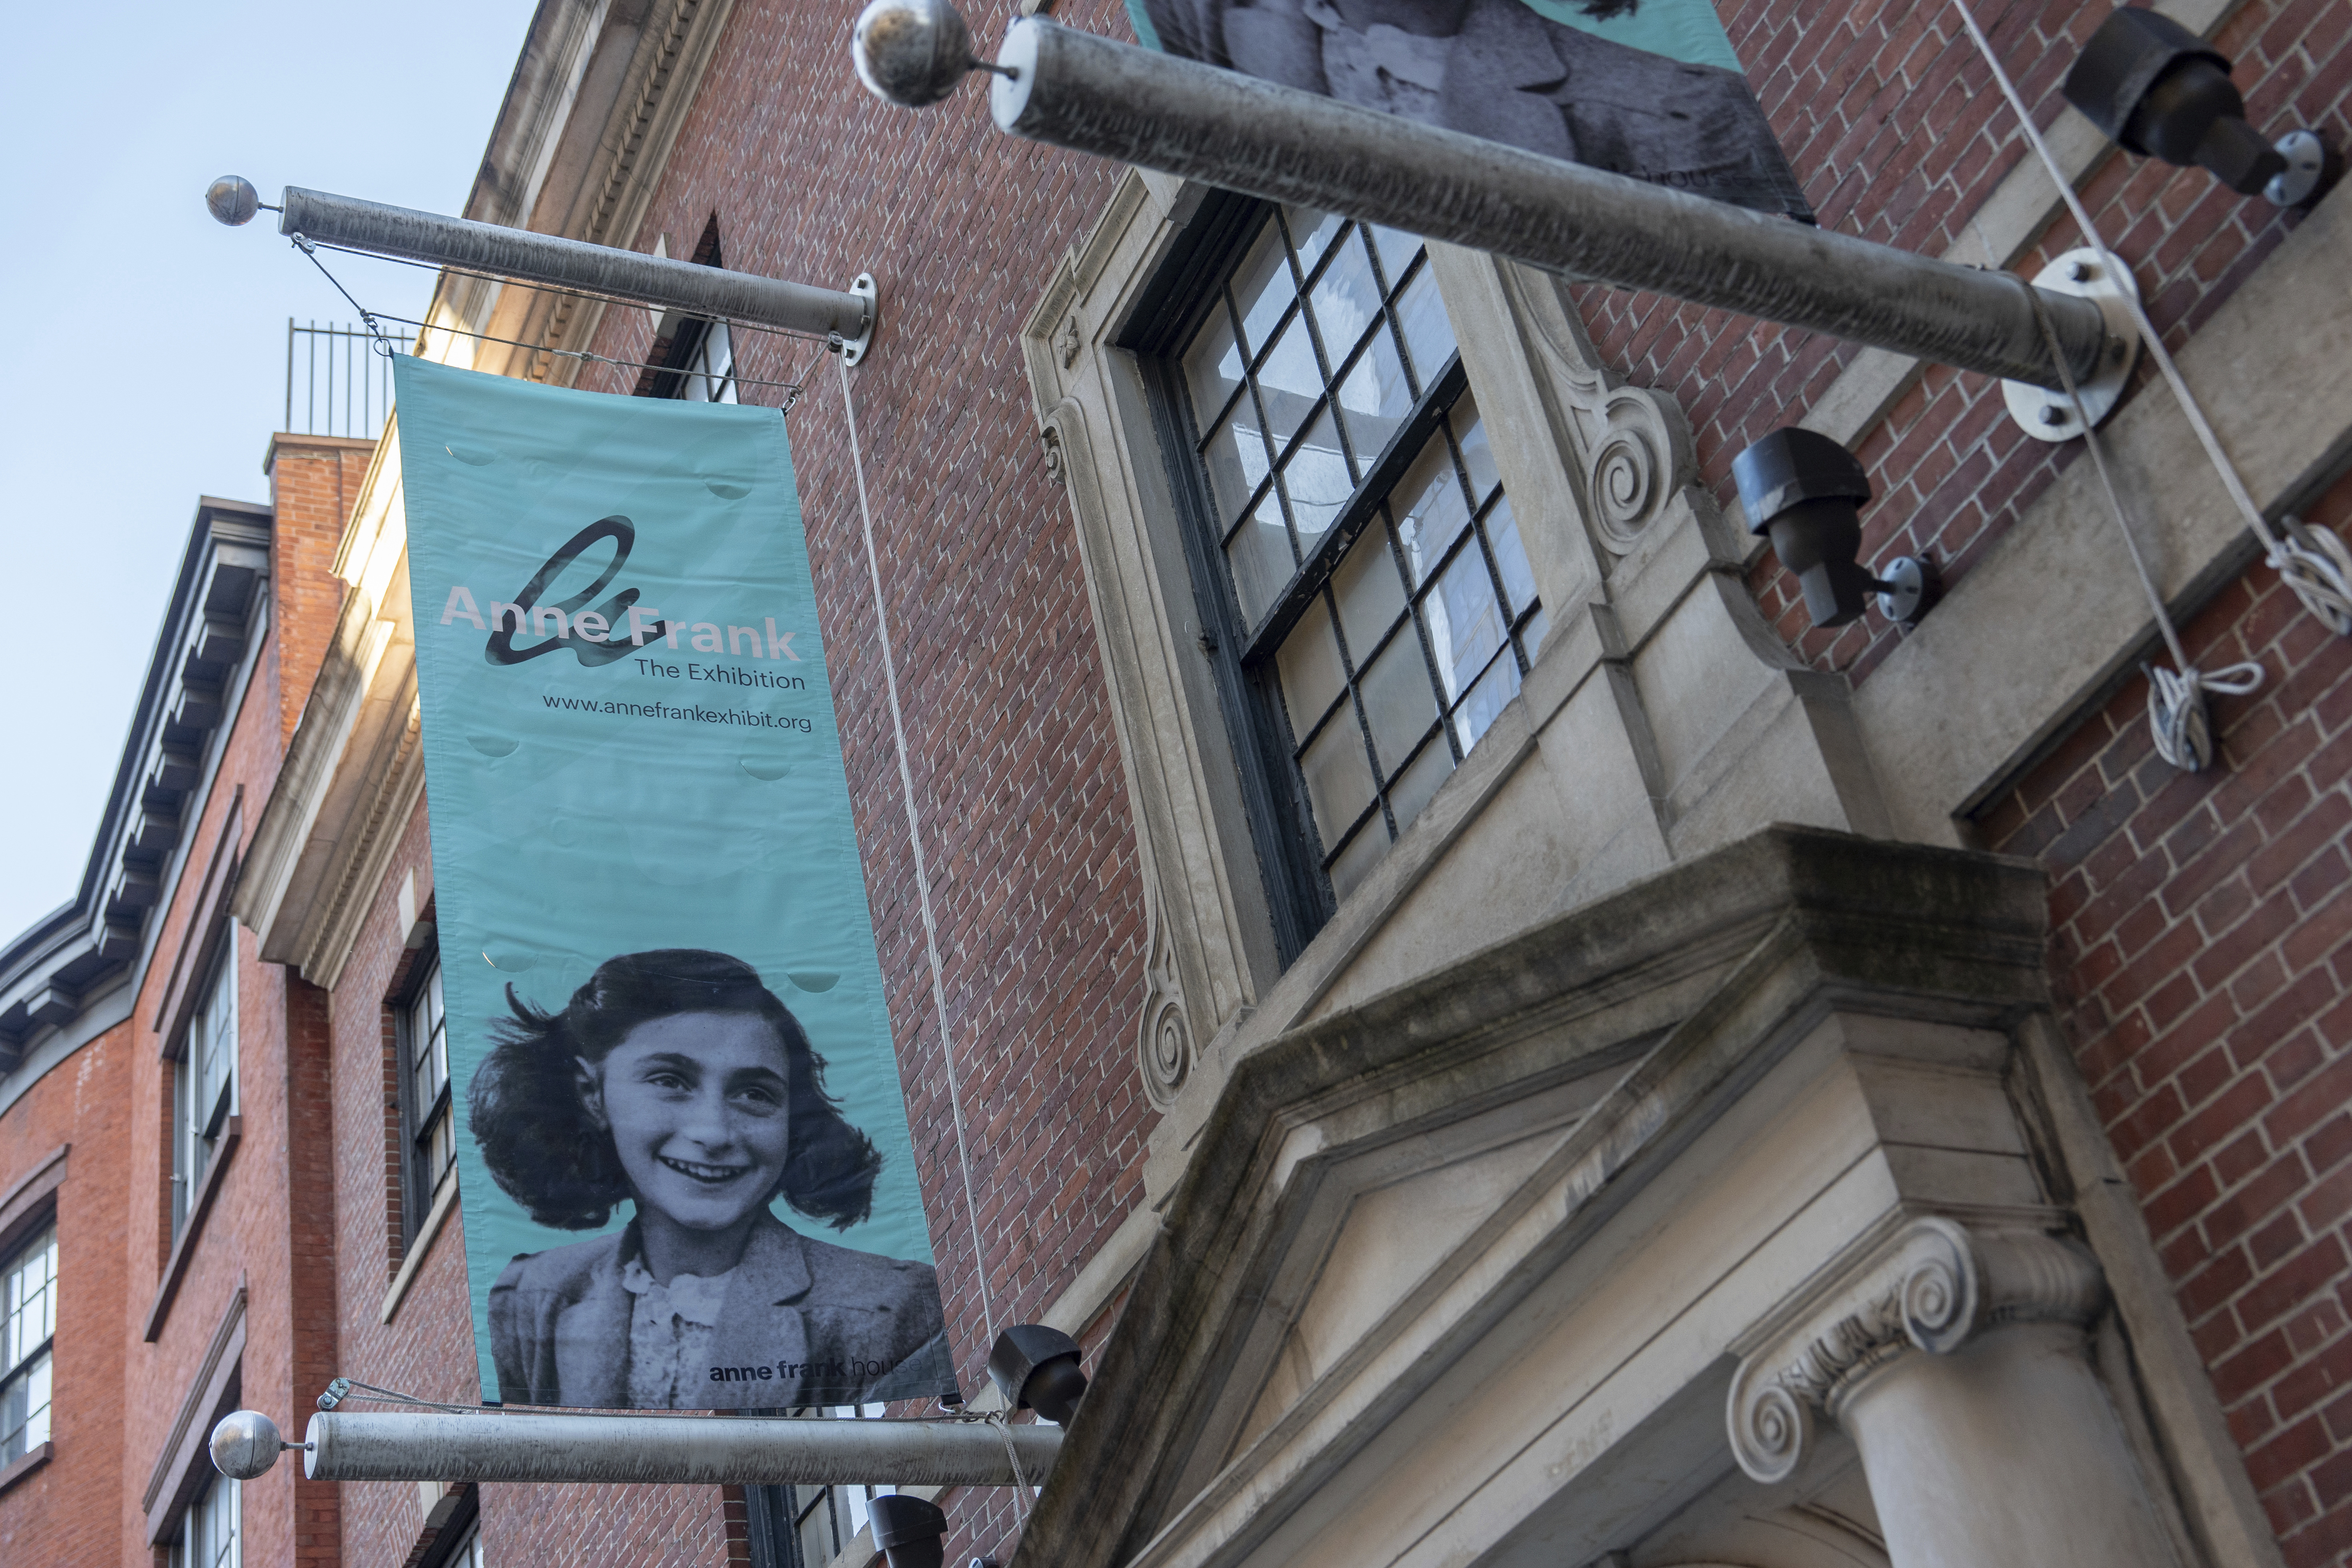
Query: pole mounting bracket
column 2048, row 416
column 854, row 349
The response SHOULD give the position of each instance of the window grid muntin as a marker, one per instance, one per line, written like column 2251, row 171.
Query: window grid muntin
column 1436, row 394
column 203, row 1082
column 1516, row 619
column 1418, row 379
column 433, row 1149
column 28, row 1328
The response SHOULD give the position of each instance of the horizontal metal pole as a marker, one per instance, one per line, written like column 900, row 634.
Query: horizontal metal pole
column 1091, row 94
column 675, row 1449
column 518, row 253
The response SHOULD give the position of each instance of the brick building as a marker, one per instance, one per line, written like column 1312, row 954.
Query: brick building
column 1675, row 1085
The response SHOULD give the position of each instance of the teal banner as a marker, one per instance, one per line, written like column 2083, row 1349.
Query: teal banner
column 681, row 1143
column 1647, row 89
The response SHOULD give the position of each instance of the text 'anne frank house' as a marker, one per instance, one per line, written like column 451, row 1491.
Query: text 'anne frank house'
column 1512, row 1027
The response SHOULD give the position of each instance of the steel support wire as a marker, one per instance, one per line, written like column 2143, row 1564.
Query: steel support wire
column 700, row 1450
column 372, row 226
column 1091, row 94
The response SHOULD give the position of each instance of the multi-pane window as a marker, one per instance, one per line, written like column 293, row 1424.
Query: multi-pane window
column 28, row 1326
column 808, row 1527
column 1382, row 592
column 204, row 1084
column 469, row 1552
column 432, row 1138
column 211, row 1534
column 711, row 369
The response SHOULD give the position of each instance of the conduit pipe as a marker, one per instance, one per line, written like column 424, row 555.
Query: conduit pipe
column 517, row 253
column 492, row 1446
column 1075, row 89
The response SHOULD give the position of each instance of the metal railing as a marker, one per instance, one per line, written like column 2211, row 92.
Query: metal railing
column 336, row 382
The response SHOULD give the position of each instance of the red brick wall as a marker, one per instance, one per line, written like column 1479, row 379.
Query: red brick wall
column 1893, row 125
column 1017, row 769
column 65, row 1511
column 316, row 480
column 2203, row 955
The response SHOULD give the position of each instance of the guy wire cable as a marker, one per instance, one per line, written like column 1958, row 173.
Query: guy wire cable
column 2316, row 562
column 915, row 838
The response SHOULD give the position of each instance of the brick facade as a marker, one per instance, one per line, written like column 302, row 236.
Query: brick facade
column 2204, row 949
column 64, row 1512
column 2204, row 929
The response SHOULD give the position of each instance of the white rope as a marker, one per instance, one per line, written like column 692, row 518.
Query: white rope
column 915, row 836
column 2315, row 563
column 2175, row 700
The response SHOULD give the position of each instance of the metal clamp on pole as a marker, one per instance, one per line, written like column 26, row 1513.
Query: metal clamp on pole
column 1091, row 94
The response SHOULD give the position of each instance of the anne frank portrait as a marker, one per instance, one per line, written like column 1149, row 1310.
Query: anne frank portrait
column 1499, row 70
column 676, row 1082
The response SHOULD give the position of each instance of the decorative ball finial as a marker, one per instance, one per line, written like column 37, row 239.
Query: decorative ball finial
column 233, row 199
column 912, row 53
column 245, row 1442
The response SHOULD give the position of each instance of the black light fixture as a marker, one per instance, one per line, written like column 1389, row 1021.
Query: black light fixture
column 2162, row 91
column 1805, row 492
column 912, row 1533
column 1036, row 1367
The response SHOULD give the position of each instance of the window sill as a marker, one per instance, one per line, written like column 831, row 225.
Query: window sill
column 444, row 1198
column 184, row 1248
column 25, row 1464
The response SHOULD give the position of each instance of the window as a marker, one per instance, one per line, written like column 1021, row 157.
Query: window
column 468, row 1553
column 693, row 359
column 28, row 1326
column 430, row 1148
column 204, row 1084
column 1376, row 603
column 711, row 367
column 213, row 1532
column 807, row 1527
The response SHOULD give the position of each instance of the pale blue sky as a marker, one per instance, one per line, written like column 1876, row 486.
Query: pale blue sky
column 146, row 363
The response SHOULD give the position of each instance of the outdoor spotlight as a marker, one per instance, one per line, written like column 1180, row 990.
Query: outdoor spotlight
column 245, row 1444
column 912, row 1533
column 2162, row 91
column 1806, row 491
column 233, row 199
column 1036, row 1367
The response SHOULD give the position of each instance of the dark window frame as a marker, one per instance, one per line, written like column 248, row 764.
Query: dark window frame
column 1187, row 286
column 418, row 1182
column 45, row 1235
column 187, row 1180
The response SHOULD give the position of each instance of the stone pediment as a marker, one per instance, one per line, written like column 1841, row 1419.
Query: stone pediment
column 1459, row 1275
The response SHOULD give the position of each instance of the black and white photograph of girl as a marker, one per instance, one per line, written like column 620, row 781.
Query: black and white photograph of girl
column 678, row 1083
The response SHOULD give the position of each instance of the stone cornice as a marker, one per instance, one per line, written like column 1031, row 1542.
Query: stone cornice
column 57, row 977
column 590, row 115
column 1926, row 1287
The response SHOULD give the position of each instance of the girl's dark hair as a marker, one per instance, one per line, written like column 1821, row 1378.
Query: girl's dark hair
column 542, row 1146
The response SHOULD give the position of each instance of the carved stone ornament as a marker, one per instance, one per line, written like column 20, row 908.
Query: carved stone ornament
column 1633, row 446
column 1164, row 1040
column 1926, row 1289
column 1057, row 465
column 1067, row 342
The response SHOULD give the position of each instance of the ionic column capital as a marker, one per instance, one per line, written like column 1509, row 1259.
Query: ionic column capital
column 1927, row 1286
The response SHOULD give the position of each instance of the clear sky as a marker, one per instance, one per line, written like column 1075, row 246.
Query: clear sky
column 146, row 363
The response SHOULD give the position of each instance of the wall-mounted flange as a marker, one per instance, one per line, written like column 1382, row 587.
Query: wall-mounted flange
column 854, row 349
column 1909, row 590
column 2309, row 170
column 2049, row 416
